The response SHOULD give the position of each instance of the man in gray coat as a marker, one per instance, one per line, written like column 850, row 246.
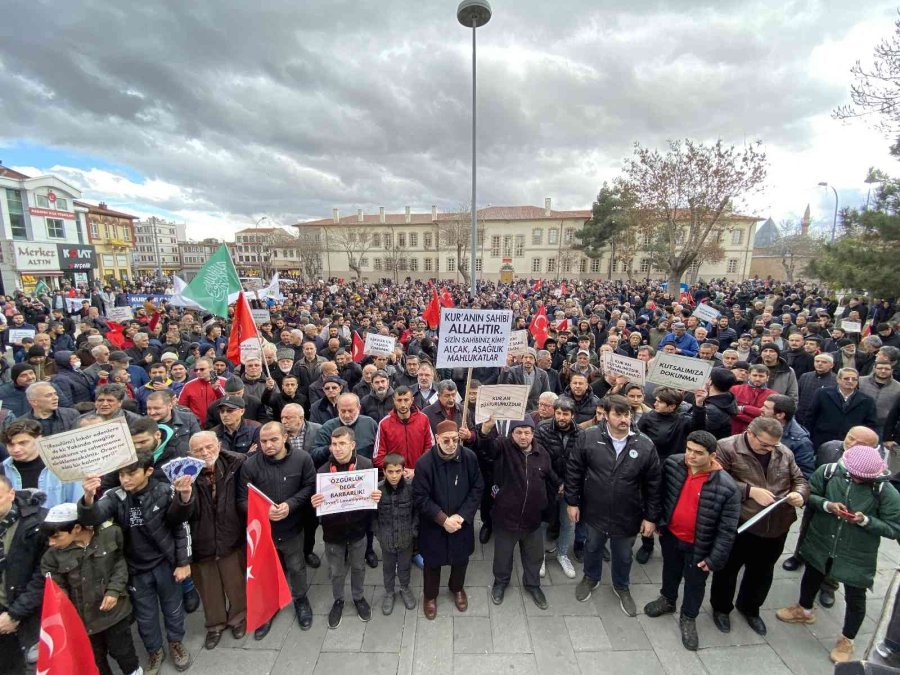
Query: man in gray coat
column 528, row 373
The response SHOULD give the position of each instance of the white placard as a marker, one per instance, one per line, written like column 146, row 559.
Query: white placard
column 851, row 326
column 503, row 401
column 704, row 312
column 379, row 345
column 16, row 335
column 473, row 338
column 260, row 316
column 120, row 314
column 633, row 369
column 346, row 491
column 73, row 305
column 89, row 451
column 518, row 343
column 680, row 372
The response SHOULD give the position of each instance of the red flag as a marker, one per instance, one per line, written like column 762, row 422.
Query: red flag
column 358, row 347
column 243, row 342
column 539, row 327
column 563, row 324
column 564, row 289
column 64, row 647
column 446, row 299
column 267, row 588
column 115, row 335
column 432, row 313
column 537, row 285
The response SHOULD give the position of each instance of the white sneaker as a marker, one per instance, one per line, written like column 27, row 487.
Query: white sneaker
column 543, row 568
column 567, row 567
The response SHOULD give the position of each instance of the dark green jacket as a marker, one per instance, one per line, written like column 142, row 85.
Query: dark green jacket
column 853, row 547
column 90, row 573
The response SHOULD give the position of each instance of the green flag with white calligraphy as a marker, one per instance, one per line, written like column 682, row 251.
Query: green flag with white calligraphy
column 215, row 281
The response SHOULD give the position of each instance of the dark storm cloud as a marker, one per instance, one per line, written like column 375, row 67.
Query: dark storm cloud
column 291, row 108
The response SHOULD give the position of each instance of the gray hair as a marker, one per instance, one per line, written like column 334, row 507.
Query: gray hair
column 548, row 397
column 97, row 350
column 847, row 370
column 542, row 353
column 873, row 341
column 297, row 408
column 32, row 391
column 824, row 355
column 349, row 397
column 892, row 354
column 204, row 435
column 446, row 385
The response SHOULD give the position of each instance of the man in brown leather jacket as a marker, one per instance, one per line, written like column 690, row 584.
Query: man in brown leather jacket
column 765, row 472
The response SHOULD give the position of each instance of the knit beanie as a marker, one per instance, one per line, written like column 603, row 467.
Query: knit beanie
column 862, row 461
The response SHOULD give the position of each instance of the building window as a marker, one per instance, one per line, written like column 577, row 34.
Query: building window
column 363, row 262
column 495, row 246
column 428, row 267
column 507, row 245
column 582, row 266
column 56, row 229
column 645, row 266
column 401, row 240
column 567, row 265
column 428, row 238
column 569, row 236
column 595, row 265
column 413, row 239
column 16, row 214
column 537, row 236
column 737, row 236
column 378, row 267
column 413, row 263
column 520, row 245
column 93, row 228
column 451, row 264
column 551, row 265
column 535, row 264
column 646, row 240
column 479, row 265
column 388, row 241
column 401, row 264
column 553, row 236
column 732, row 266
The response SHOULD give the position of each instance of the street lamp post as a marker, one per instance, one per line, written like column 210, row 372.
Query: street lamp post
column 834, row 221
column 260, row 248
column 474, row 13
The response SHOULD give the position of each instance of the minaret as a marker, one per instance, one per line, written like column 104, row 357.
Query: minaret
column 804, row 224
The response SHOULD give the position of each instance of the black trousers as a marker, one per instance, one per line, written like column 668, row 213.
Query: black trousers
column 757, row 556
column 432, row 580
column 828, row 582
column 531, row 550
column 855, row 596
column 115, row 641
column 12, row 661
column 309, row 523
column 678, row 564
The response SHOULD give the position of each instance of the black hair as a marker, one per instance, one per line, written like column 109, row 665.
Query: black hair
column 704, row 438
column 617, row 404
column 394, row 458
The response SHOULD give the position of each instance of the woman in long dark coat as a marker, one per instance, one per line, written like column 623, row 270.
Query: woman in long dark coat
column 447, row 489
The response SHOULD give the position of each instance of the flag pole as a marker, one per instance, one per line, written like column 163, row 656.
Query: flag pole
column 465, row 410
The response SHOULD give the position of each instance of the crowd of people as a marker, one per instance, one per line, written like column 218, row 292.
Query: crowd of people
column 800, row 410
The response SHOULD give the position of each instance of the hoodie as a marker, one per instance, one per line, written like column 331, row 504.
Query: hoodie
column 720, row 408
column 73, row 385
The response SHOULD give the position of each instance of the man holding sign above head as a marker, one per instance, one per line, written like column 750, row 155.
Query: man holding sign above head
column 25, row 468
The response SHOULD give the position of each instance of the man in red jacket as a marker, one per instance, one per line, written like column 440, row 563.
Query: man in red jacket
column 750, row 398
column 405, row 431
column 204, row 390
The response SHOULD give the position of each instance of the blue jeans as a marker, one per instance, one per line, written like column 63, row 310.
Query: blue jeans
column 620, row 557
column 150, row 590
column 566, row 529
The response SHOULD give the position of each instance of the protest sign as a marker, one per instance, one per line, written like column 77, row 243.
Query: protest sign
column 518, row 343
column 94, row 450
column 680, row 372
column 851, row 326
column 16, row 335
column 379, row 345
column 138, row 299
column 260, row 316
column 120, row 314
column 73, row 305
column 704, row 312
column 473, row 338
column 503, row 401
column 627, row 367
column 346, row 491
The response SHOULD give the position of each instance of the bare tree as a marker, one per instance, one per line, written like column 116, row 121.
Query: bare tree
column 686, row 196
column 795, row 248
column 455, row 233
column 355, row 242
column 393, row 252
column 310, row 251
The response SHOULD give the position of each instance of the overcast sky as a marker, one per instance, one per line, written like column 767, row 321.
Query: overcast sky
column 217, row 112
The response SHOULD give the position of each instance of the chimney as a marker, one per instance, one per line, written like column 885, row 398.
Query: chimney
column 359, row 216
column 102, row 205
column 547, row 206
column 433, row 212
column 381, row 214
column 335, row 215
column 408, row 219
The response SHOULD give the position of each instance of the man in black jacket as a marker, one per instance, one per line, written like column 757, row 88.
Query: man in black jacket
column 836, row 409
column 287, row 477
column 380, row 400
column 524, row 478
column 612, row 482
column 701, row 508
column 820, row 377
column 21, row 514
column 720, row 404
column 584, row 400
column 161, row 407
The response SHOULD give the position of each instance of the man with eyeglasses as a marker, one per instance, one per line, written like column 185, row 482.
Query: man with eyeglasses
column 835, row 410
column 205, row 389
column 765, row 472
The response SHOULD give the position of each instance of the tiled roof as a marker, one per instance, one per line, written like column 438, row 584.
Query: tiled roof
column 94, row 208
column 6, row 172
column 489, row 213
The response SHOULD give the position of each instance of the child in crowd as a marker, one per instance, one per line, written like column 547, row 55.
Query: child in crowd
column 396, row 528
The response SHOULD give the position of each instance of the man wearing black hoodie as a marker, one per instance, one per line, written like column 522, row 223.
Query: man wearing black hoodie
column 720, row 404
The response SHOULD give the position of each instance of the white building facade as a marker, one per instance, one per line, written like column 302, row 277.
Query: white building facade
column 156, row 247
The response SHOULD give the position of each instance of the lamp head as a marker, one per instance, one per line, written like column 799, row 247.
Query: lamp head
column 473, row 13
column 823, row 184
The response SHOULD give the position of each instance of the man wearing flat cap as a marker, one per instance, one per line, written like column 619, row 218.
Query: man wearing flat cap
column 234, row 432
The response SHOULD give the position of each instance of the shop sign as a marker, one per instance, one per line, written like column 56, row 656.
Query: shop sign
column 51, row 213
column 76, row 257
column 32, row 257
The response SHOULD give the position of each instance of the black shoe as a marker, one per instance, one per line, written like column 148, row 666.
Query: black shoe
column 362, row 609
column 792, row 564
column 484, row 536
column 605, row 553
column 303, row 612
column 538, row 596
column 722, row 621
column 191, row 601
column 313, row 561
column 334, row 616
column 757, row 624
column 826, row 597
column 263, row 630
column 497, row 593
column 689, row 634
column 659, row 607
column 642, row 555
column 578, row 553
column 371, row 559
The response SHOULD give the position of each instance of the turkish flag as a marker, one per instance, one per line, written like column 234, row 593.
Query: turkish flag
column 64, row 647
column 115, row 335
column 358, row 347
column 564, row 289
column 537, row 285
column 432, row 313
column 563, row 324
column 539, row 327
column 243, row 342
column 267, row 588
column 446, row 299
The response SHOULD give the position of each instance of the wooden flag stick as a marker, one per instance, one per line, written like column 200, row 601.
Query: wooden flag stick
column 465, row 411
